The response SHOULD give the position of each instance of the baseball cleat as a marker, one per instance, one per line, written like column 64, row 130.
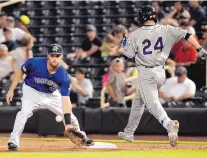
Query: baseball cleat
column 125, row 136
column 12, row 147
column 173, row 134
column 89, row 142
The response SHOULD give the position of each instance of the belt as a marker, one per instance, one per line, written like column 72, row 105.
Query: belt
column 151, row 67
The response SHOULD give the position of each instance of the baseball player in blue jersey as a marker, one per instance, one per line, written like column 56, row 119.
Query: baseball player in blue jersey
column 46, row 84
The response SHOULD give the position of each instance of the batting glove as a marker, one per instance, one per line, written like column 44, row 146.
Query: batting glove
column 202, row 53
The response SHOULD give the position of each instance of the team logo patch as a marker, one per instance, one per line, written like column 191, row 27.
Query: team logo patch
column 126, row 43
column 55, row 48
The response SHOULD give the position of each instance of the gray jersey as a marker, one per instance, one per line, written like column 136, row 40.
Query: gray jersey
column 151, row 45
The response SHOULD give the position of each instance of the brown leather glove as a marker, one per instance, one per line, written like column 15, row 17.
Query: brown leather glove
column 77, row 137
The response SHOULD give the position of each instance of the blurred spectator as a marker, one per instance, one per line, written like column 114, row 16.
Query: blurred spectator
column 177, row 88
column 186, row 54
column 133, row 26
column 114, row 24
column 112, row 44
column 23, row 22
column 10, row 22
column 184, row 23
column 132, row 85
column 2, row 20
column 105, row 77
column 204, row 41
column 170, row 68
column 158, row 9
column 198, row 15
column 108, row 45
column 83, row 87
column 178, row 12
column 17, row 33
column 116, row 84
column 5, row 61
column 2, row 26
column 8, row 40
column 23, row 53
column 119, row 33
column 90, row 46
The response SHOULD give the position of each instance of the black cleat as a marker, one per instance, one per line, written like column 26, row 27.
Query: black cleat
column 12, row 146
column 89, row 142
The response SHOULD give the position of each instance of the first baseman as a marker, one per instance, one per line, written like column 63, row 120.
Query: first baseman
column 150, row 45
column 46, row 84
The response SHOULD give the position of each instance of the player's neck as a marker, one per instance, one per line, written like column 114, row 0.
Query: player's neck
column 51, row 69
column 149, row 22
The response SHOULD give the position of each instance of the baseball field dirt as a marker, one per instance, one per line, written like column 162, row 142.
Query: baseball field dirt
column 146, row 146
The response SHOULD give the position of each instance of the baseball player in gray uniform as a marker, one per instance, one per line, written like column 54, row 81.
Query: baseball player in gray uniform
column 150, row 46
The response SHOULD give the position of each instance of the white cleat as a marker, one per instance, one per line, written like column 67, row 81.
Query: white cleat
column 126, row 136
column 173, row 134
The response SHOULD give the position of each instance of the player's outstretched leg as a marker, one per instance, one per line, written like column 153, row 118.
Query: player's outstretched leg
column 20, row 121
column 136, row 113
column 149, row 93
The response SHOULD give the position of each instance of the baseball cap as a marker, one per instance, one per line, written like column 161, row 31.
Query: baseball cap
column 55, row 49
column 4, row 47
column 117, row 60
column 10, row 18
column 180, row 71
column 90, row 28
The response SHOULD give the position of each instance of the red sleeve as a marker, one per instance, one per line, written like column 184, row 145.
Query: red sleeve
column 194, row 54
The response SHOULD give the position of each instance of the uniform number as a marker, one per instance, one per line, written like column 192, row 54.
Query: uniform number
column 158, row 45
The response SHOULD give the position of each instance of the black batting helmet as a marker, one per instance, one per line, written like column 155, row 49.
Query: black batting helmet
column 147, row 13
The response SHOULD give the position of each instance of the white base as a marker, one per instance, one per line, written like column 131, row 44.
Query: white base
column 102, row 145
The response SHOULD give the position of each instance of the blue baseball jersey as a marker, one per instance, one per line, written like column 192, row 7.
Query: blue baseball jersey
column 38, row 77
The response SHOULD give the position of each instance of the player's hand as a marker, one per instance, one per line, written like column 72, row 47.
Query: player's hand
column 203, row 54
column 9, row 96
column 69, row 127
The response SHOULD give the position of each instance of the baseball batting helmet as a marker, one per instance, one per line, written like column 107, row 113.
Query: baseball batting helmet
column 147, row 13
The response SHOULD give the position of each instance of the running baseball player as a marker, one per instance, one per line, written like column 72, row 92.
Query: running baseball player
column 46, row 84
column 150, row 45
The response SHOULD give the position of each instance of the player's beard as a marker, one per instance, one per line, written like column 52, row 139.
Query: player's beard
column 53, row 67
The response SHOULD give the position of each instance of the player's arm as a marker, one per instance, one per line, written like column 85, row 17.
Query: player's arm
column 202, row 53
column 17, row 77
column 66, row 103
column 178, row 34
column 26, row 68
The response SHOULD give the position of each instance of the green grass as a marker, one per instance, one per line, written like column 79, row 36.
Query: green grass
column 112, row 154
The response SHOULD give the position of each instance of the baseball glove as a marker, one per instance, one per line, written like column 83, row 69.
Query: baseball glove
column 77, row 137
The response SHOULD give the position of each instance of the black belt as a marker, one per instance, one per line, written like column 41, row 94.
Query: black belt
column 152, row 66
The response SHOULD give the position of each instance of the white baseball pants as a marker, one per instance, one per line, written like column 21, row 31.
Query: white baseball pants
column 31, row 100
